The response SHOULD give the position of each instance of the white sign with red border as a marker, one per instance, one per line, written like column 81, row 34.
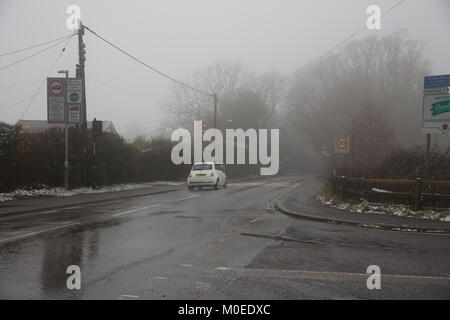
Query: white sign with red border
column 56, row 100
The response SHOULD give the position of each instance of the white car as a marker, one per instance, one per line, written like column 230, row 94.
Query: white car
column 205, row 174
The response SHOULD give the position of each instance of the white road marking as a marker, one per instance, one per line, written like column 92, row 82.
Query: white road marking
column 190, row 197
column 254, row 220
column 134, row 210
column 48, row 211
column 332, row 275
column 187, row 265
column 202, row 286
column 38, row 232
column 223, row 268
column 161, row 278
column 129, row 296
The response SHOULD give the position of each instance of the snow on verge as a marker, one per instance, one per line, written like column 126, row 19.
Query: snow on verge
column 61, row 192
column 367, row 207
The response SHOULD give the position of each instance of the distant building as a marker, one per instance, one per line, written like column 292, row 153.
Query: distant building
column 42, row 125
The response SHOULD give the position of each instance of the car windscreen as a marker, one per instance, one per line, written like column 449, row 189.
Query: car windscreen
column 202, row 166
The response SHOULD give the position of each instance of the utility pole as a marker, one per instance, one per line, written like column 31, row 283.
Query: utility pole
column 215, row 110
column 80, row 74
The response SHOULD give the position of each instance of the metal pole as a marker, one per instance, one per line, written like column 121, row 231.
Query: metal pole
column 215, row 110
column 66, row 154
column 427, row 159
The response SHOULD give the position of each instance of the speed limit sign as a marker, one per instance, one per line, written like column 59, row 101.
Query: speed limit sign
column 341, row 144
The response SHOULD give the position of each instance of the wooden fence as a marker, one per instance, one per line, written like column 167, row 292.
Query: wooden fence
column 417, row 193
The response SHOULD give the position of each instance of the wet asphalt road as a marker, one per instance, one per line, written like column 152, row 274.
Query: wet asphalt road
column 225, row 244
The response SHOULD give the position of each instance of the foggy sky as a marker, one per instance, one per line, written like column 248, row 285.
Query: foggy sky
column 180, row 36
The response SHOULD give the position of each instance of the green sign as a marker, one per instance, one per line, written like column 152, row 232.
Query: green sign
column 74, row 97
column 440, row 107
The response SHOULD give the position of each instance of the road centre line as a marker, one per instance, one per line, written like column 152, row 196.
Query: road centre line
column 186, row 198
column 134, row 210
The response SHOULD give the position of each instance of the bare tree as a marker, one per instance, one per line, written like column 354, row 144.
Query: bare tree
column 386, row 73
column 184, row 105
column 272, row 90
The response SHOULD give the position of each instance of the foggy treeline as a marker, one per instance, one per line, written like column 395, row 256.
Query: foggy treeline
column 370, row 90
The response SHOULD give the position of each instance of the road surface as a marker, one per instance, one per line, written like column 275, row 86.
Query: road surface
column 225, row 244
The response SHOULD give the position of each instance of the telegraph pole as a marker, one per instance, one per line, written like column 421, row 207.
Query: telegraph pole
column 80, row 74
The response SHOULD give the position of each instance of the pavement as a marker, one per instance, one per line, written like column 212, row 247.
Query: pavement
column 299, row 204
column 231, row 243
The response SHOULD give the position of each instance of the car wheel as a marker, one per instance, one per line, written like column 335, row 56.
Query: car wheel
column 225, row 184
column 190, row 188
column 216, row 186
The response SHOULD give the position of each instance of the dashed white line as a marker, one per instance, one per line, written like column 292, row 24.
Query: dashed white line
column 129, row 296
column 254, row 220
column 134, row 210
column 190, row 197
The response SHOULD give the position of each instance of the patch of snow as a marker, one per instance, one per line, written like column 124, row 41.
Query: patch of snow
column 61, row 192
column 398, row 210
column 381, row 190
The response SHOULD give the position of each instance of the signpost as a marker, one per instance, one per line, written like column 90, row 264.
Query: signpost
column 74, row 99
column 64, row 102
column 436, row 104
column 342, row 145
column 56, row 100
column 435, row 108
column 97, row 130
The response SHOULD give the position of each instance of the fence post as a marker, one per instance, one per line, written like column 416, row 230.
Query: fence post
column 333, row 183
column 417, row 194
column 361, row 187
column 343, row 188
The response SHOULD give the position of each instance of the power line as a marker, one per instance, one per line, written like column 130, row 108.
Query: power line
column 34, row 46
column 42, row 83
column 354, row 34
column 34, row 54
column 19, row 102
column 150, row 67
column 18, row 84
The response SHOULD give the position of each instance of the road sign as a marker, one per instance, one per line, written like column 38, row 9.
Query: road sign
column 435, row 91
column 436, row 113
column 436, row 81
column 74, row 113
column 64, row 99
column 56, row 100
column 74, row 99
column 341, row 144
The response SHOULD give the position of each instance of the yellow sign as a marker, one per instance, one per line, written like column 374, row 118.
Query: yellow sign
column 341, row 144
